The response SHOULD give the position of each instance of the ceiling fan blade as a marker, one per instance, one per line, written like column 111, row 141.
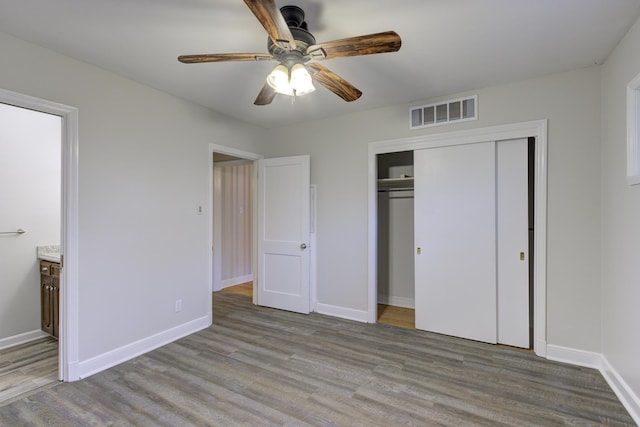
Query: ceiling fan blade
column 266, row 95
column 334, row 82
column 223, row 57
column 272, row 20
column 388, row 41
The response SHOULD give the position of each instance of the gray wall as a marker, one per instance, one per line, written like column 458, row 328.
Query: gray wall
column 143, row 169
column 620, row 219
column 571, row 103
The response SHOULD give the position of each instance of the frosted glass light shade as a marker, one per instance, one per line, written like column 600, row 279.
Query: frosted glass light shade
column 301, row 81
column 278, row 79
column 294, row 82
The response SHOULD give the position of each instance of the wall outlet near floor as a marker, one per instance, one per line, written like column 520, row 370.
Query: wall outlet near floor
column 178, row 305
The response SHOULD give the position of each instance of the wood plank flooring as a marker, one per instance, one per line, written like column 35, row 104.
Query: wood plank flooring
column 245, row 289
column 397, row 316
column 257, row 366
column 27, row 367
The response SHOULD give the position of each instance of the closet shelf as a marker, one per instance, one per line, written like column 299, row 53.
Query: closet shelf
column 395, row 183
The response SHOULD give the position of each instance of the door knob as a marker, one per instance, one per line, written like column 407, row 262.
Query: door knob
column 303, row 246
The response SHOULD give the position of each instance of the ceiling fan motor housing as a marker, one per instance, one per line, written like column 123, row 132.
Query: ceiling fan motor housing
column 294, row 16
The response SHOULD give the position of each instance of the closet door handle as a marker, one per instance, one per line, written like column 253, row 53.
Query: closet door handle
column 303, row 246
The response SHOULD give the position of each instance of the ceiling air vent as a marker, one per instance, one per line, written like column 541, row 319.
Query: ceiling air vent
column 443, row 112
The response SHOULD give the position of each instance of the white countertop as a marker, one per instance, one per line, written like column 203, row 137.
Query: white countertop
column 49, row 253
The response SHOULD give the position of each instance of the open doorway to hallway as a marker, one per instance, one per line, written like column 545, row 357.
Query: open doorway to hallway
column 232, row 221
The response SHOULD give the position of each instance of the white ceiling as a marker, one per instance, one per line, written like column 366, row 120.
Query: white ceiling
column 448, row 46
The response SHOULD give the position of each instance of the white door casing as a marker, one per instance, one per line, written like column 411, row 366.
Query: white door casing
column 455, row 260
column 513, row 242
column 283, row 233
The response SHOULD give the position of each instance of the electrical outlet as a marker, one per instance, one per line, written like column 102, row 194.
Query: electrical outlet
column 178, row 305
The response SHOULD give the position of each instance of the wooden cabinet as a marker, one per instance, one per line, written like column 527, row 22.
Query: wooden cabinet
column 49, row 297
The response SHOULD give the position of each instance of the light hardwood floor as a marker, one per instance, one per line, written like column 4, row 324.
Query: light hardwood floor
column 397, row 316
column 245, row 289
column 257, row 366
column 27, row 367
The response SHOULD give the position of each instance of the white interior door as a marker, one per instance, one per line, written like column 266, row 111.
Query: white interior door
column 283, row 233
column 455, row 238
column 513, row 243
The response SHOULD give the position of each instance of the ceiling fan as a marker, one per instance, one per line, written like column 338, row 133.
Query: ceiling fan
column 294, row 47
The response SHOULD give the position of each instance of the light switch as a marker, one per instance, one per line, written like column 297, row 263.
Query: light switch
column 419, row 251
column 521, row 256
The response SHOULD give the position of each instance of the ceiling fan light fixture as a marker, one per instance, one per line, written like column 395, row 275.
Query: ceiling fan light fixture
column 278, row 79
column 293, row 82
column 301, row 80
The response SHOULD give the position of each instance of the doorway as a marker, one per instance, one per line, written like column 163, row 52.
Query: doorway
column 30, row 176
column 537, row 130
column 232, row 221
column 68, row 347
column 232, row 218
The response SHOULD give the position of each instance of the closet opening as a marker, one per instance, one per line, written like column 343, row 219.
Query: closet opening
column 511, row 185
column 396, row 280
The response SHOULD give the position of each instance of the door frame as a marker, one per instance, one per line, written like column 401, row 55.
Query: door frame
column 215, row 148
column 536, row 129
column 68, row 349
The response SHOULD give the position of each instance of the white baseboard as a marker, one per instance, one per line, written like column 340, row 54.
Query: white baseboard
column 25, row 337
column 627, row 397
column 342, row 312
column 236, row 281
column 104, row 361
column 396, row 301
column 572, row 356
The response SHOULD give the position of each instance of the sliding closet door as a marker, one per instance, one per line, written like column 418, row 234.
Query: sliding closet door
column 455, row 239
column 513, row 243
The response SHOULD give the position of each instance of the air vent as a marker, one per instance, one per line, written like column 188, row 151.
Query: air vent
column 440, row 113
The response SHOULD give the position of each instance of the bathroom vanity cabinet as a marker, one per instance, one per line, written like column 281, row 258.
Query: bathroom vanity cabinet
column 49, row 296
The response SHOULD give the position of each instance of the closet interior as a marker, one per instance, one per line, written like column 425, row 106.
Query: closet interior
column 396, row 279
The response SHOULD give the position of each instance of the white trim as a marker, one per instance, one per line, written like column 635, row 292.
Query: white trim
column 236, row 281
column 127, row 352
column 537, row 129
column 342, row 312
column 633, row 131
column 313, row 262
column 573, row 356
column 69, row 300
column 215, row 148
column 23, row 338
column 627, row 397
column 589, row 359
column 397, row 301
